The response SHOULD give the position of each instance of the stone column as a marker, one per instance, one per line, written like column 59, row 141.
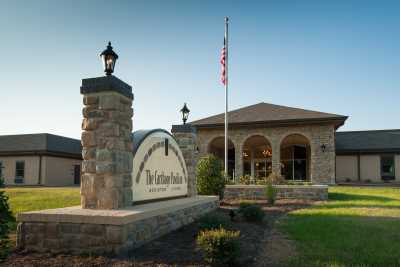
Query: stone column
column 106, row 143
column 276, row 157
column 186, row 137
column 238, row 161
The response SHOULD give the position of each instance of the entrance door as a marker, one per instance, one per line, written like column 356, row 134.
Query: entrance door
column 77, row 174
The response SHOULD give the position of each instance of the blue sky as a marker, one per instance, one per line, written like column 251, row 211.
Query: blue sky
column 334, row 56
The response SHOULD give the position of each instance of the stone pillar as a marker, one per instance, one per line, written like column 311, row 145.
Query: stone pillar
column 276, row 157
column 186, row 137
column 106, row 143
column 238, row 161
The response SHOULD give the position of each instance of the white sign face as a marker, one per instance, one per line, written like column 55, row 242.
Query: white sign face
column 159, row 169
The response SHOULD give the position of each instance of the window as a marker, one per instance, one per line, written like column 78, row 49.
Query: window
column 387, row 167
column 1, row 169
column 19, row 172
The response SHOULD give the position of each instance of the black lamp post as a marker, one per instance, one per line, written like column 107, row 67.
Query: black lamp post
column 109, row 57
column 185, row 113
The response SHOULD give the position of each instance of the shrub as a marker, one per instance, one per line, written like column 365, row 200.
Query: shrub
column 262, row 181
column 244, row 204
column 275, row 178
column 220, row 246
column 213, row 221
column 251, row 212
column 245, row 179
column 270, row 193
column 6, row 218
column 210, row 180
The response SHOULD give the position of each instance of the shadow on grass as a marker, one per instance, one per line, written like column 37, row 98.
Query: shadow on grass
column 356, row 197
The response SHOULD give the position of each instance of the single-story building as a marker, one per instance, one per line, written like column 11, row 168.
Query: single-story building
column 368, row 156
column 263, row 138
column 298, row 144
column 40, row 159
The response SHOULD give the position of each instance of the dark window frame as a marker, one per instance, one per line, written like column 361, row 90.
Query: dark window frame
column 19, row 179
column 393, row 159
column 1, row 169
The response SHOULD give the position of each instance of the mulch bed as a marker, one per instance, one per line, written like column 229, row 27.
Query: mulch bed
column 177, row 248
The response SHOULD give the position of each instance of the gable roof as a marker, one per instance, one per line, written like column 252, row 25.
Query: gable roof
column 368, row 141
column 41, row 143
column 265, row 113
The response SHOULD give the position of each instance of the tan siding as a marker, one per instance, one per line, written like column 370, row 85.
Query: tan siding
column 31, row 169
column 370, row 166
column 59, row 171
column 346, row 168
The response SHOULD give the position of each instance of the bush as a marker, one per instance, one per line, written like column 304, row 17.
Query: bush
column 270, row 193
column 213, row 221
column 6, row 218
column 210, row 180
column 275, row 178
column 251, row 212
column 262, row 181
column 220, row 246
column 245, row 179
column 244, row 204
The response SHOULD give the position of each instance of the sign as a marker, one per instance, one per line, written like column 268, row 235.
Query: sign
column 159, row 169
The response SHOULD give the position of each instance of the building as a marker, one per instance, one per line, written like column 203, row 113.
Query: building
column 263, row 138
column 299, row 144
column 40, row 159
column 368, row 156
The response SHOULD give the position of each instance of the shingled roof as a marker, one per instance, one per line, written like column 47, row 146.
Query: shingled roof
column 265, row 113
column 377, row 141
column 42, row 143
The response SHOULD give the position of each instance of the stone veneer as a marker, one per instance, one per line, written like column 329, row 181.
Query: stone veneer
column 322, row 169
column 257, row 192
column 185, row 136
column 107, row 144
column 117, row 232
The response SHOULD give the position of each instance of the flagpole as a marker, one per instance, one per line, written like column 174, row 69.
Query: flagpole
column 226, row 97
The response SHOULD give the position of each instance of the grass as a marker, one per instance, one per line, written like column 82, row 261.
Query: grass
column 39, row 198
column 356, row 227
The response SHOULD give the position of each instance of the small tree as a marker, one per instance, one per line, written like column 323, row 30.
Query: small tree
column 270, row 193
column 210, row 179
column 6, row 218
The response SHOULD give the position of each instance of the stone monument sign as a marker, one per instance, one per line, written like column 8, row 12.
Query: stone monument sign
column 119, row 170
column 159, row 169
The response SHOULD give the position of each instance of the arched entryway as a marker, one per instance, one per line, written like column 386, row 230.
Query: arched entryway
column 217, row 148
column 257, row 157
column 295, row 157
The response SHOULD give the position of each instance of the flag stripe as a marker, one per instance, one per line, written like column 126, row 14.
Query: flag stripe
column 223, row 54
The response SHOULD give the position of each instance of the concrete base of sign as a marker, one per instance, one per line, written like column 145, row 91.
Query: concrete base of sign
column 85, row 231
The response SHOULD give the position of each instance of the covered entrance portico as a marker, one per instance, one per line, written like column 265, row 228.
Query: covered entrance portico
column 264, row 138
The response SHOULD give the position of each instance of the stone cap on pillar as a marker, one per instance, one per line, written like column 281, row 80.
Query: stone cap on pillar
column 183, row 128
column 106, row 83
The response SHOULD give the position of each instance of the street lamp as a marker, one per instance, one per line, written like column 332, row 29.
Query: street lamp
column 185, row 113
column 109, row 57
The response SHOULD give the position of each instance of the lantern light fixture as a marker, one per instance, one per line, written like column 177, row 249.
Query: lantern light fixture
column 185, row 113
column 109, row 57
column 323, row 147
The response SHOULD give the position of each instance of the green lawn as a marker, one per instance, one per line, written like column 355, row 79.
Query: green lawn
column 39, row 198
column 356, row 227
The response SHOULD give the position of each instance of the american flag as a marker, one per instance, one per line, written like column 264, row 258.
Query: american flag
column 223, row 54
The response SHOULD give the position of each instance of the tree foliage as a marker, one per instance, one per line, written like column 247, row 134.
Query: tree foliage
column 6, row 218
column 210, row 179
